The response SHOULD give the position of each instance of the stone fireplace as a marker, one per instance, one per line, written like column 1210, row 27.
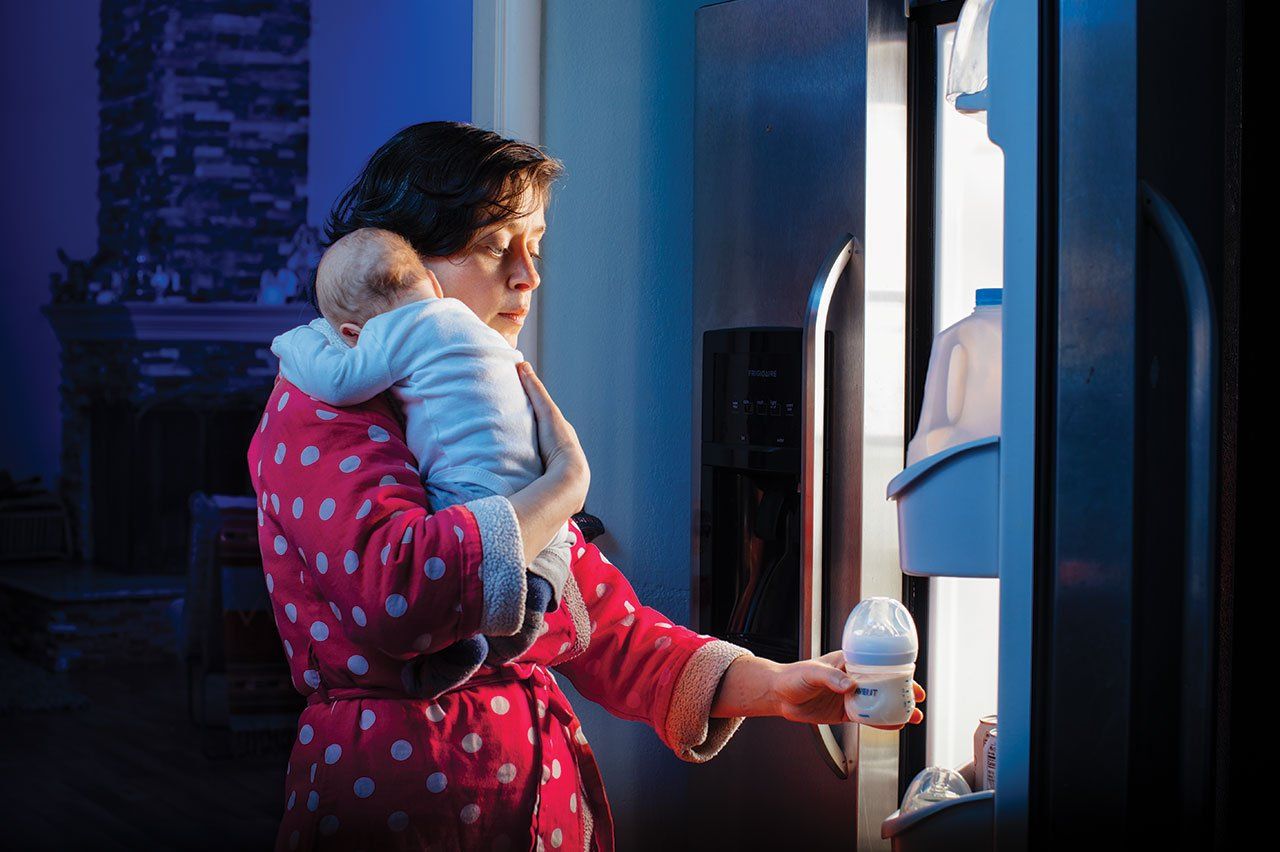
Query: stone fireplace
column 158, row 401
column 165, row 335
column 202, row 164
column 202, row 144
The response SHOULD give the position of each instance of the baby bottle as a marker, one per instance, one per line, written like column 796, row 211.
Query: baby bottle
column 880, row 646
column 933, row 784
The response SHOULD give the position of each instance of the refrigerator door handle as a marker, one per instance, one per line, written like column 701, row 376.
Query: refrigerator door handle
column 1199, row 578
column 814, row 510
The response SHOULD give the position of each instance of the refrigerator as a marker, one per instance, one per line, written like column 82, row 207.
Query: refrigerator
column 799, row 279
column 845, row 212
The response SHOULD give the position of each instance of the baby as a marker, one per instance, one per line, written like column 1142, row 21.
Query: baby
column 387, row 325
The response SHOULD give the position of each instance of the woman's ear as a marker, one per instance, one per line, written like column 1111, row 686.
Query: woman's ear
column 350, row 333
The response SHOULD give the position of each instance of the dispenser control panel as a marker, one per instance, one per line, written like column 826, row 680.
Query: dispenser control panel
column 756, row 398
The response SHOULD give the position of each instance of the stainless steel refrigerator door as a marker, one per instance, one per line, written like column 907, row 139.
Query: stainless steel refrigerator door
column 782, row 149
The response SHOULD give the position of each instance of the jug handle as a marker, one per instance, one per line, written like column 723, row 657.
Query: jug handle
column 813, row 508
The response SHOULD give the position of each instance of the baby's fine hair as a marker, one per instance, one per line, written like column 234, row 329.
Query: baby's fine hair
column 362, row 273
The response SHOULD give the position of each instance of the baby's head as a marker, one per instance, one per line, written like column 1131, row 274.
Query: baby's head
column 369, row 272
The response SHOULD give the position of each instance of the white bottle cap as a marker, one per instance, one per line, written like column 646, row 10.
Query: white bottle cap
column 880, row 632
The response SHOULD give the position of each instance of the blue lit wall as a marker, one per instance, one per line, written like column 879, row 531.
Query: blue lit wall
column 376, row 67
column 49, row 111
column 616, row 312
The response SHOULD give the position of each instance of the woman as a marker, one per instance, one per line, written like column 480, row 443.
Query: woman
column 366, row 583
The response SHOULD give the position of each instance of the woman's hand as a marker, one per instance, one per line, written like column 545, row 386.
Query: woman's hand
column 813, row 691
column 544, row 505
column 810, row 691
column 557, row 439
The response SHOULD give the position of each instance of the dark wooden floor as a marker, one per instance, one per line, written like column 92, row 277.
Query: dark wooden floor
column 129, row 773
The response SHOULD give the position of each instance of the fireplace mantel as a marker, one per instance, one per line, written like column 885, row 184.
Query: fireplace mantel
column 232, row 322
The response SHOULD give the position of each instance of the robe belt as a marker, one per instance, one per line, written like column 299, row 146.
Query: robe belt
column 536, row 677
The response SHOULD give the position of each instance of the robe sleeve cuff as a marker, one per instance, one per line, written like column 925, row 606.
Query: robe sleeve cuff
column 502, row 570
column 690, row 730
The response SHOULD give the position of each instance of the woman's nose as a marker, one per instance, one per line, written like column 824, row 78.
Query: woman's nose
column 525, row 276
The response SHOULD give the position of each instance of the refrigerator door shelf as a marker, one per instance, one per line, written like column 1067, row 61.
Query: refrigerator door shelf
column 947, row 512
column 956, row 825
column 974, row 104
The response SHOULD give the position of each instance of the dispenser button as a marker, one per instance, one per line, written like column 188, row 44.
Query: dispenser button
column 775, row 410
column 791, row 409
column 747, row 407
column 735, row 406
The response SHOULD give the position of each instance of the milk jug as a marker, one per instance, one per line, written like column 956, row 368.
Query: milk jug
column 962, row 388
column 880, row 646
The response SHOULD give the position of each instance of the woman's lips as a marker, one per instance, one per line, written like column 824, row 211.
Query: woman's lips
column 518, row 319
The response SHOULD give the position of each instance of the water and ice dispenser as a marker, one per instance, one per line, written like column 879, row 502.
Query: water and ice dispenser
column 751, row 475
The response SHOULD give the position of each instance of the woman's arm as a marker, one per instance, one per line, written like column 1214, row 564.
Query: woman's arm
column 342, row 503
column 811, row 691
column 746, row 689
column 642, row 666
column 693, row 690
column 345, row 505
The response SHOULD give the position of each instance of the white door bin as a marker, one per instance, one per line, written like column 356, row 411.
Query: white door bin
column 947, row 511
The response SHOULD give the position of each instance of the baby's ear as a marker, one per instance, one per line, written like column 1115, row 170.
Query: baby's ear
column 435, row 284
column 350, row 333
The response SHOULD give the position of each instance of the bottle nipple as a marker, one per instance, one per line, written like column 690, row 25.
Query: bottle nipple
column 880, row 632
column 933, row 784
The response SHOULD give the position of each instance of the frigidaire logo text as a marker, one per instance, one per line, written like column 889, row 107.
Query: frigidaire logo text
column 763, row 374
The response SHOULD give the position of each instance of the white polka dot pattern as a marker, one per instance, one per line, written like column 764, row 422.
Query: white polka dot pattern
column 477, row 752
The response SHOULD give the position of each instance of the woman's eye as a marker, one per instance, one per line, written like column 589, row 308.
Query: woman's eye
column 496, row 251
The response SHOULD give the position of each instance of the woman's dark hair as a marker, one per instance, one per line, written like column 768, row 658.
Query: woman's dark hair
column 439, row 183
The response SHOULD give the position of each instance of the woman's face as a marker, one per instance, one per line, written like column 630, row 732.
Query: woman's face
column 497, row 274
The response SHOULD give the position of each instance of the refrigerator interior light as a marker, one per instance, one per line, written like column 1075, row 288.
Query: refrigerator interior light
column 963, row 625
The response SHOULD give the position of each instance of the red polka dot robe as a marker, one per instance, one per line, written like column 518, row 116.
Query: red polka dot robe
column 366, row 585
